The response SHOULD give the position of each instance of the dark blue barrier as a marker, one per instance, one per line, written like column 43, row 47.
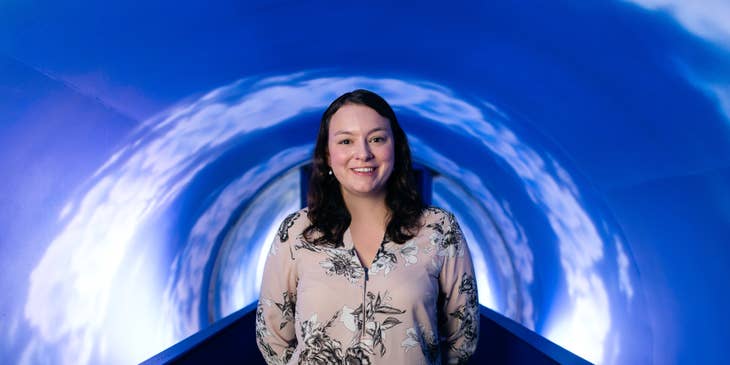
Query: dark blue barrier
column 232, row 340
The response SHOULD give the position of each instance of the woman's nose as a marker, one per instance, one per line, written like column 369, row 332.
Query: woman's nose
column 363, row 152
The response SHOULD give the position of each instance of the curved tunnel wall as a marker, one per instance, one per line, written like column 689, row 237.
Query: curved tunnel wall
column 584, row 148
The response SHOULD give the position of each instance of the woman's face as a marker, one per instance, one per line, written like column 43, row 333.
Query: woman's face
column 360, row 150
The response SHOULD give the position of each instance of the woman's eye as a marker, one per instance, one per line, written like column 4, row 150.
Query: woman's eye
column 377, row 139
column 345, row 141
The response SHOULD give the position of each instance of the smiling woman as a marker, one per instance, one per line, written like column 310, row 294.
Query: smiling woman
column 360, row 150
column 402, row 273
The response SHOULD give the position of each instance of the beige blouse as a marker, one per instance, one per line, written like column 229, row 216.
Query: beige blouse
column 319, row 305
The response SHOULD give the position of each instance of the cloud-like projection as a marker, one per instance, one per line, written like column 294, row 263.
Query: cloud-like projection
column 707, row 18
column 168, row 235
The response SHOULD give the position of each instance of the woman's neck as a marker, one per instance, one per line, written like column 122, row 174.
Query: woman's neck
column 368, row 211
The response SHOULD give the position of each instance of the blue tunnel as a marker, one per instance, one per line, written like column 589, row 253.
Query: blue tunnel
column 149, row 153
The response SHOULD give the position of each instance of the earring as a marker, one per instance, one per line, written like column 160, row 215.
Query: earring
column 330, row 173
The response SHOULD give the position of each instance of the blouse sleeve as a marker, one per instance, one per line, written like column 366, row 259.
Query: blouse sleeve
column 275, row 331
column 459, row 307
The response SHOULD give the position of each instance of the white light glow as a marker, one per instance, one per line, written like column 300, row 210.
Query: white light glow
column 705, row 18
column 579, row 326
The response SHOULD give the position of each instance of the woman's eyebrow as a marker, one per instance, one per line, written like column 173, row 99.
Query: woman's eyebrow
column 378, row 129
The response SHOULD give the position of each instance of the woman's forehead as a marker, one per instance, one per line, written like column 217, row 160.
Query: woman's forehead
column 357, row 119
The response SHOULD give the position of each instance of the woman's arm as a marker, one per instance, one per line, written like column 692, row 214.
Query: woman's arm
column 459, row 315
column 275, row 334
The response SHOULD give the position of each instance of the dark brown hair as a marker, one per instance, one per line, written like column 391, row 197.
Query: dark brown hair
column 326, row 208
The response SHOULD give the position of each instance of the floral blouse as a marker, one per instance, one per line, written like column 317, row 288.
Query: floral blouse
column 417, row 302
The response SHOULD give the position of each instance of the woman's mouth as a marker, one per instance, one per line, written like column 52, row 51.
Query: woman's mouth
column 363, row 170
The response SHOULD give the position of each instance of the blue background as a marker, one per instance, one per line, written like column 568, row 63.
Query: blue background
column 150, row 150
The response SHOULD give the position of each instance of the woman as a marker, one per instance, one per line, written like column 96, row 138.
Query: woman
column 366, row 274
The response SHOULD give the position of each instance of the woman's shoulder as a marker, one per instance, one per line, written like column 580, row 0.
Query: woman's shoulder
column 293, row 225
column 433, row 213
column 440, row 218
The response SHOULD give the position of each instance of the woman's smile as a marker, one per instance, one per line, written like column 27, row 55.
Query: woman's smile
column 364, row 171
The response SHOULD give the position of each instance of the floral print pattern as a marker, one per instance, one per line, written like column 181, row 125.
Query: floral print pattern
column 340, row 262
column 409, row 252
column 270, row 356
column 287, row 308
column 384, row 261
column 285, row 225
column 319, row 305
column 377, row 305
column 425, row 340
column 446, row 236
column 468, row 316
column 319, row 347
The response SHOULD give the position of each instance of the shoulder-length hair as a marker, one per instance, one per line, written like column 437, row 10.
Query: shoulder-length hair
column 327, row 212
